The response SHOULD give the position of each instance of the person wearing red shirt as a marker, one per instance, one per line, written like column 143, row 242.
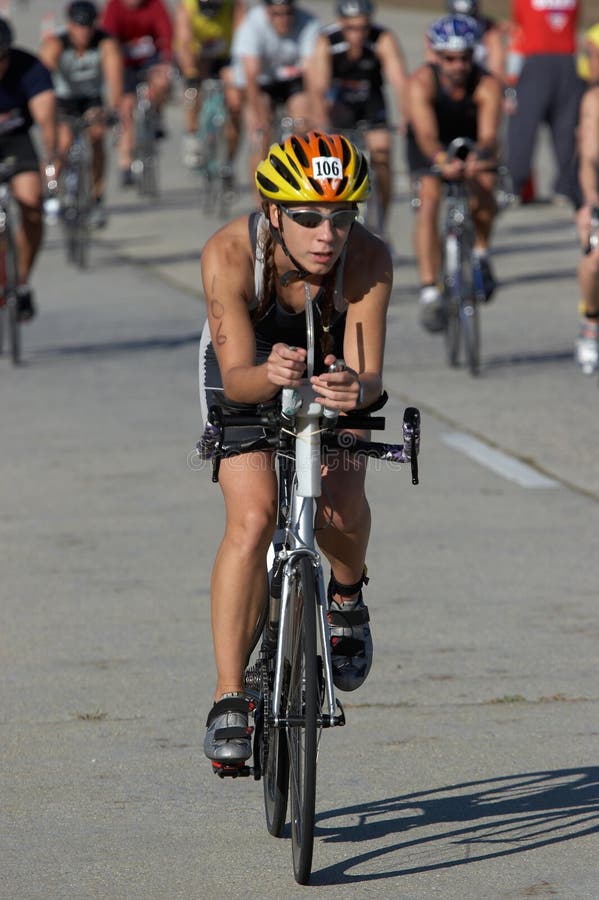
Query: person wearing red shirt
column 144, row 30
column 548, row 89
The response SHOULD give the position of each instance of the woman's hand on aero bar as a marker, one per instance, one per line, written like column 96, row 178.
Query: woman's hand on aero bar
column 337, row 390
column 286, row 365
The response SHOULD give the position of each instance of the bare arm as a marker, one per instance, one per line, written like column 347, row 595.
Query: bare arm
column 422, row 117
column 251, row 67
column 367, row 286
column 43, row 111
column 396, row 73
column 495, row 45
column 489, row 100
column 318, row 75
column 588, row 146
column 112, row 69
column 50, row 52
column 183, row 43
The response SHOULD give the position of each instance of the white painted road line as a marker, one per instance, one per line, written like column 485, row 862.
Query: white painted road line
column 497, row 461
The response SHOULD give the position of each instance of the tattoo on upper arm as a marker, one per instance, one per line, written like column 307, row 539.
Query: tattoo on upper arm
column 217, row 311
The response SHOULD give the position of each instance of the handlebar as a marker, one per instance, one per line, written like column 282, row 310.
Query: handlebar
column 213, row 445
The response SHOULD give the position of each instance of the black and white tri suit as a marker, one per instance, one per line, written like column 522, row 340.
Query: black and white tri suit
column 78, row 78
column 356, row 89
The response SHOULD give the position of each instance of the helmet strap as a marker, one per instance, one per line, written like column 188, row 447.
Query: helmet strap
column 293, row 275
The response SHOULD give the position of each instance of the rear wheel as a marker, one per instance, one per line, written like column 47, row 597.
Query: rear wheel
column 302, row 717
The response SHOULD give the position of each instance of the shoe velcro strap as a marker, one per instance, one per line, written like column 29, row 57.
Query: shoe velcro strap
column 226, row 705
column 348, row 618
column 347, row 646
column 233, row 732
column 347, row 590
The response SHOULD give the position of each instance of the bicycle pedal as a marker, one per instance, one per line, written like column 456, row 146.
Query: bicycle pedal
column 236, row 771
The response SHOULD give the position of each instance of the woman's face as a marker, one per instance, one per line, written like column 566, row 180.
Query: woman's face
column 316, row 249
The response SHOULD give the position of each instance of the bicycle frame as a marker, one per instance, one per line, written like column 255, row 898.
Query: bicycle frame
column 462, row 277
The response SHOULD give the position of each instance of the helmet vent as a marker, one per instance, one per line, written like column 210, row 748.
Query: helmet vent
column 284, row 172
column 299, row 152
column 346, row 153
column 317, row 187
column 323, row 147
column 266, row 183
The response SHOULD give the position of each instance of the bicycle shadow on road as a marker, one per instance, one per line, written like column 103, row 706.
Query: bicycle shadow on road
column 461, row 824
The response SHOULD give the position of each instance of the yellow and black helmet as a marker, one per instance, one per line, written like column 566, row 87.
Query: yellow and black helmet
column 314, row 168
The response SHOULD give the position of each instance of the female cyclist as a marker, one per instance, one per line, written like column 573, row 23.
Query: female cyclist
column 257, row 273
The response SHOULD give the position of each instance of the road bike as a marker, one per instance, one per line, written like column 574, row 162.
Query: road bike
column 9, row 276
column 463, row 287
column 290, row 682
column 214, row 165
column 145, row 163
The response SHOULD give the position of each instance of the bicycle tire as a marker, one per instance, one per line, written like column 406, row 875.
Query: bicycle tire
column 11, row 302
column 82, row 236
column 452, row 288
column 69, row 200
column 275, row 777
column 470, row 327
column 302, row 707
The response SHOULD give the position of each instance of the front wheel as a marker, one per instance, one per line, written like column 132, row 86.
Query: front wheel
column 302, row 710
column 451, row 298
column 471, row 331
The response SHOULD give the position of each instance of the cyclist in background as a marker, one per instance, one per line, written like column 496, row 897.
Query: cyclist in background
column 353, row 59
column 26, row 99
column 587, row 346
column 85, row 63
column 257, row 272
column 203, row 33
column 491, row 51
column 271, row 50
column 144, row 31
column 452, row 97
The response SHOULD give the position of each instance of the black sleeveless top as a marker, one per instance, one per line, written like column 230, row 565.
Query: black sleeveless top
column 355, row 75
column 278, row 324
column 456, row 118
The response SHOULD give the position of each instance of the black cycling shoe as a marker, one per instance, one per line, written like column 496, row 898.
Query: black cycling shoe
column 489, row 283
column 127, row 179
column 228, row 741
column 25, row 306
column 351, row 640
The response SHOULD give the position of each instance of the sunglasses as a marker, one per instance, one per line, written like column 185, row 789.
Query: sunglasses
column 281, row 13
column 311, row 218
column 456, row 57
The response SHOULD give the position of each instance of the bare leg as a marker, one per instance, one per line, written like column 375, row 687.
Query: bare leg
column 238, row 584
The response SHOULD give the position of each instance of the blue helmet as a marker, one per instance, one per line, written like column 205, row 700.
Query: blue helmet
column 454, row 33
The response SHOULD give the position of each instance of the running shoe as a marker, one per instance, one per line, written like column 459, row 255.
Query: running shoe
column 587, row 347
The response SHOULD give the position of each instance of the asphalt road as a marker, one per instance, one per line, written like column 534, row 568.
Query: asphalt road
column 468, row 767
